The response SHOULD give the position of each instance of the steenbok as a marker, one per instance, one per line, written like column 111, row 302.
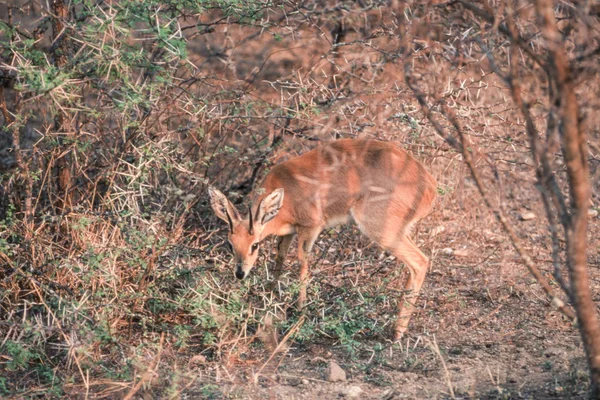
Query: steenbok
column 377, row 184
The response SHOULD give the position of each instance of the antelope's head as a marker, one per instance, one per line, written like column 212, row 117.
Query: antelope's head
column 245, row 234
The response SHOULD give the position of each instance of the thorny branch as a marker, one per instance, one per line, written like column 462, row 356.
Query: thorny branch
column 465, row 148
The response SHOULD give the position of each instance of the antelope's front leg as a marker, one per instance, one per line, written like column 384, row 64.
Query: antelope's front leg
column 283, row 245
column 306, row 239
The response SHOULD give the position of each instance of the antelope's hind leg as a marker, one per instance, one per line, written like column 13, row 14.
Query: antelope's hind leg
column 417, row 264
column 388, row 230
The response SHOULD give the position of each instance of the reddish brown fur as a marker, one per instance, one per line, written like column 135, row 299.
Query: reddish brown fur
column 382, row 187
column 329, row 181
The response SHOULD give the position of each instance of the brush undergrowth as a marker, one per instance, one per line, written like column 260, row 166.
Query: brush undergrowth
column 97, row 318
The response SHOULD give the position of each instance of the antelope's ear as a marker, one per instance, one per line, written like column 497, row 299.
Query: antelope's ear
column 222, row 207
column 269, row 206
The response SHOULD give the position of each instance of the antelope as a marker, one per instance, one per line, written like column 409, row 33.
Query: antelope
column 377, row 184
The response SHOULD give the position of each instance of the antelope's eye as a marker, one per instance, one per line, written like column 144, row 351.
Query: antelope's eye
column 254, row 247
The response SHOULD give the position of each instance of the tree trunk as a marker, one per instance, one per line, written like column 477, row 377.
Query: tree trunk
column 576, row 155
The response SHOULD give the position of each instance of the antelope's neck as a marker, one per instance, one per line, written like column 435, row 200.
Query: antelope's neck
column 278, row 228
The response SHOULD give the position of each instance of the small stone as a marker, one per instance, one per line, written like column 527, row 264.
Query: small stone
column 447, row 251
column 526, row 216
column 592, row 213
column 352, row 392
column 335, row 373
column 305, row 382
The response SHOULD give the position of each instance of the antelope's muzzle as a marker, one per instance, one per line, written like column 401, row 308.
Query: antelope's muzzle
column 239, row 273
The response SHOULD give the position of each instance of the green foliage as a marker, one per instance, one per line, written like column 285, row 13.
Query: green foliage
column 40, row 81
column 210, row 391
column 19, row 355
column 182, row 334
column 4, row 390
column 344, row 318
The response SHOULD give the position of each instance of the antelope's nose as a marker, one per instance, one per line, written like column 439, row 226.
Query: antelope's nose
column 239, row 273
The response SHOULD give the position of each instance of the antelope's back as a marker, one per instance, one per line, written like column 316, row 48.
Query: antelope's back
column 326, row 182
